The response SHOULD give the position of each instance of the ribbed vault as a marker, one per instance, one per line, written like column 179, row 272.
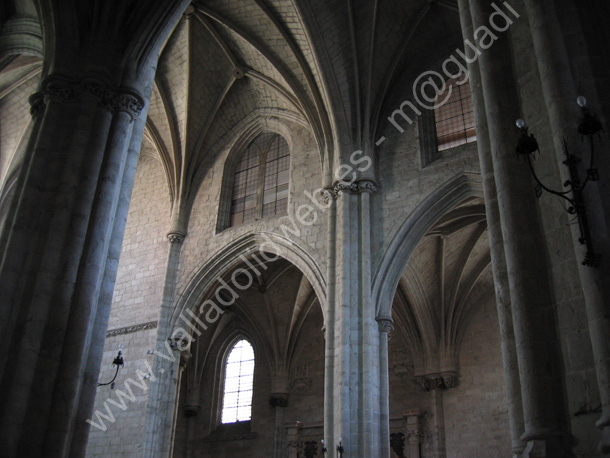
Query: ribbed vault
column 447, row 279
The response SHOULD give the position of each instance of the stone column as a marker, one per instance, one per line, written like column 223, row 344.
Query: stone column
column 385, row 330
column 438, row 426
column 531, row 298
column 112, row 263
column 355, row 401
column 57, row 244
column 496, row 245
column 560, row 94
column 414, row 432
column 161, row 402
column 329, row 325
column 55, row 275
column 191, row 410
column 184, row 359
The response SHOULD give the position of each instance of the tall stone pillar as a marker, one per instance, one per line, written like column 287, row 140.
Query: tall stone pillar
column 531, row 299
column 385, row 330
column 356, row 379
column 560, row 95
column 67, row 215
column 329, row 325
column 496, row 243
column 162, row 402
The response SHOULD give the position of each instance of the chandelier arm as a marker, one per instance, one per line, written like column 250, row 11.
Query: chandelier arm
column 557, row 193
column 590, row 163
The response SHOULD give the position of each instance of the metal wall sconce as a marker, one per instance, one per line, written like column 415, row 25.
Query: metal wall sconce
column 324, row 450
column 118, row 362
column 589, row 126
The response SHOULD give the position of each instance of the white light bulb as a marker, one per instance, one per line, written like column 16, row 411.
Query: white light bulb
column 340, row 440
column 322, row 441
column 581, row 101
column 521, row 124
column 121, row 346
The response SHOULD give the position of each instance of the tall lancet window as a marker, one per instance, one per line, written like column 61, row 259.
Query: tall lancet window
column 260, row 187
column 239, row 378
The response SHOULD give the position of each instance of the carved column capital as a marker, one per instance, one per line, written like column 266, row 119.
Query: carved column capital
column 179, row 344
column 367, row 186
column 386, row 325
column 356, row 187
column 127, row 102
column 37, row 104
column 278, row 400
column 450, row 379
column 176, row 237
column 70, row 90
column 328, row 195
column 442, row 381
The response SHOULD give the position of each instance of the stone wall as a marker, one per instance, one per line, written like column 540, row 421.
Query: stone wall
column 476, row 412
column 134, row 315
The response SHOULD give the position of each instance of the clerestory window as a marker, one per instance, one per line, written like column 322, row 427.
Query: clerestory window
column 455, row 118
column 260, row 186
column 238, row 383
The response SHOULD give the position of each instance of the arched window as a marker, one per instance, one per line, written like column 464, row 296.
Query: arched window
column 238, row 382
column 455, row 118
column 260, row 187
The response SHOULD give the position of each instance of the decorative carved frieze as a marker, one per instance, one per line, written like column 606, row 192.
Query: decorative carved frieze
column 130, row 329
column 70, row 90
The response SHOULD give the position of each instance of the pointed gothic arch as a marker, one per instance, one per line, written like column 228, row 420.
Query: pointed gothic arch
column 411, row 231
